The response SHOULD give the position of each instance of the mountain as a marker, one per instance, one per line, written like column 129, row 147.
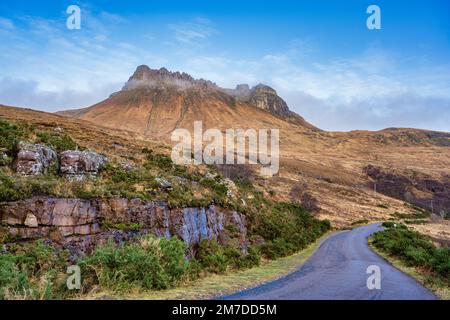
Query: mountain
column 341, row 176
column 155, row 102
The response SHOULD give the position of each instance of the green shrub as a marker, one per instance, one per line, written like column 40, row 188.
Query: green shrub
column 415, row 215
column 392, row 224
column 211, row 256
column 34, row 272
column 8, row 192
column 149, row 264
column 215, row 258
column 59, row 142
column 11, row 134
column 287, row 228
column 161, row 161
column 415, row 250
column 117, row 174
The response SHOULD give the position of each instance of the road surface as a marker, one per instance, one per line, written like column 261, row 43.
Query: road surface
column 337, row 271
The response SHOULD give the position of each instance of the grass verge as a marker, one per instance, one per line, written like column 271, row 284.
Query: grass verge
column 442, row 291
column 223, row 284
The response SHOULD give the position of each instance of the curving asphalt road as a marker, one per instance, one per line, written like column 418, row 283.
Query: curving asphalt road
column 337, row 271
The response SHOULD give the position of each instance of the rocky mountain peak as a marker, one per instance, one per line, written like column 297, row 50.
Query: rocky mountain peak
column 145, row 77
column 262, row 88
column 260, row 96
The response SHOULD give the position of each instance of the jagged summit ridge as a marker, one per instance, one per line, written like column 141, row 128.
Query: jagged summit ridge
column 154, row 102
column 260, row 96
column 145, row 77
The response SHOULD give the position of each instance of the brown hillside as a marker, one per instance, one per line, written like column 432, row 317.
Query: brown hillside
column 326, row 171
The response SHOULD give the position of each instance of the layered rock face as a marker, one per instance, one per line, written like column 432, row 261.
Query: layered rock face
column 144, row 77
column 263, row 97
column 34, row 159
column 79, row 225
column 77, row 165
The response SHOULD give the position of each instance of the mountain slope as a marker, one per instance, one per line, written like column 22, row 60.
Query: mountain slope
column 328, row 170
column 155, row 102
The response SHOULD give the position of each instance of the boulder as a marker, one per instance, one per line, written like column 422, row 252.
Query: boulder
column 163, row 183
column 34, row 159
column 78, row 165
column 31, row 221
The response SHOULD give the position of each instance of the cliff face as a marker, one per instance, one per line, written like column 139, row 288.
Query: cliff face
column 414, row 187
column 80, row 225
column 263, row 97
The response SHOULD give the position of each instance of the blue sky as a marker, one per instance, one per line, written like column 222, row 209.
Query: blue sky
column 319, row 55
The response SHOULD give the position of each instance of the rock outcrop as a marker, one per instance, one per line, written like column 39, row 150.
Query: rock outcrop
column 414, row 187
column 260, row 96
column 79, row 225
column 34, row 159
column 144, row 77
column 263, row 97
column 78, row 165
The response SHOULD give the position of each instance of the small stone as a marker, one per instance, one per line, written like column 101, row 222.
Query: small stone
column 164, row 183
column 31, row 221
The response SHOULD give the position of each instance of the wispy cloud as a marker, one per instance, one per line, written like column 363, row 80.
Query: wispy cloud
column 46, row 66
column 193, row 32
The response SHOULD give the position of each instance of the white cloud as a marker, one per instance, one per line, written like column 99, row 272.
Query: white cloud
column 193, row 32
column 50, row 68
column 12, row 93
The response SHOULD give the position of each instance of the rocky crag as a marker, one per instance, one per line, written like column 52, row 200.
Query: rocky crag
column 80, row 225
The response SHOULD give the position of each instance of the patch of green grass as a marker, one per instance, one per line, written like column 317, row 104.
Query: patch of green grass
column 415, row 250
column 416, row 221
column 59, row 142
column 440, row 288
column 393, row 224
column 108, row 225
column 415, row 215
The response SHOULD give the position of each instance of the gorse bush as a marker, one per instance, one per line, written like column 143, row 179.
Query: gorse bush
column 117, row 174
column 392, row 224
column 287, row 228
column 211, row 256
column 59, row 142
column 161, row 161
column 415, row 250
column 11, row 134
column 215, row 258
column 34, row 273
column 148, row 264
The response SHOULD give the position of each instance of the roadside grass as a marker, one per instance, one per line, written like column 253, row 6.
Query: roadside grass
column 407, row 251
column 429, row 281
column 216, row 285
